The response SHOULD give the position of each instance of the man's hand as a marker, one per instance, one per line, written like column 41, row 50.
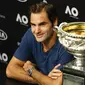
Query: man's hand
column 55, row 73
column 28, row 65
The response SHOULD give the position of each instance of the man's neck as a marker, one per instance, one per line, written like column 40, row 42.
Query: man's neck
column 47, row 45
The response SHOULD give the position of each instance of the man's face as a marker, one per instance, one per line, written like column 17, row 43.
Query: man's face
column 41, row 26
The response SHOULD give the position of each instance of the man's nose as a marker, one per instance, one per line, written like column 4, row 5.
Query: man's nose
column 37, row 29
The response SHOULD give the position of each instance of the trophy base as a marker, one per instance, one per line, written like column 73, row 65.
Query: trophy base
column 73, row 75
column 73, row 69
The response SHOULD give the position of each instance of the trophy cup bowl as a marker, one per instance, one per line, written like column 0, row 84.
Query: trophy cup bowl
column 72, row 37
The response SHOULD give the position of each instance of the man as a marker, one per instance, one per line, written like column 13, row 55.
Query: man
column 40, row 55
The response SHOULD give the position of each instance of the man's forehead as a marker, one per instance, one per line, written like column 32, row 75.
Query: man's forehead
column 39, row 14
column 38, row 18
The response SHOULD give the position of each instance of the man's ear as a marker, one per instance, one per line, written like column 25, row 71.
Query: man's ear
column 56, row 22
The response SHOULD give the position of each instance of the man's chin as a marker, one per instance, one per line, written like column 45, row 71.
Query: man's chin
column 40, row 40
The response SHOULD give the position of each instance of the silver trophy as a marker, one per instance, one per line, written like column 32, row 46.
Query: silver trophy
column 72, row 37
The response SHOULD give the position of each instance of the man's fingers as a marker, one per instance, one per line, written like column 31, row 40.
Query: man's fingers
column 56, row 74
column 57, row 66
column 56, row 70
column 54, row 77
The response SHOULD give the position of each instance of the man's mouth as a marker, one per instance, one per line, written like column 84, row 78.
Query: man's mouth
column 39, row 35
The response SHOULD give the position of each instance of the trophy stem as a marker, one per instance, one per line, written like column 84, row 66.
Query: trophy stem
column 79, row 63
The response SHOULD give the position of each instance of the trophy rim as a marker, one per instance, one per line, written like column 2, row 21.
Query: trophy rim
column 71, row 34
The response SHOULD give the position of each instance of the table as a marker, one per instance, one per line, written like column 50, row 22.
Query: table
column 6, row 81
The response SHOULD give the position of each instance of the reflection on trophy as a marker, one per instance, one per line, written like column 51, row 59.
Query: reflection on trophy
column 72, row 37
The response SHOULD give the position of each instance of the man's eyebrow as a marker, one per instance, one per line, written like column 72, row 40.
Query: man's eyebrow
column 42, row 23
column 32, row 23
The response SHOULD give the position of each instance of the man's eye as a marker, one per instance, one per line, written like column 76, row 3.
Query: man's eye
column 32, row 25
column 43, row 24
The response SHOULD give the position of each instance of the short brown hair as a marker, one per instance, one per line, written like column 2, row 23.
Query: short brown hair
column 49, row 8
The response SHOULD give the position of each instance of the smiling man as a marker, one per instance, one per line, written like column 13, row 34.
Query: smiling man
column 40, row 55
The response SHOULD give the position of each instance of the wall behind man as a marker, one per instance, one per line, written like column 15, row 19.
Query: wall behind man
column 14, row 21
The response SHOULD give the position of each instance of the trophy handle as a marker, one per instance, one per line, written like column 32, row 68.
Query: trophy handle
column 61, row 24
column 58, row 28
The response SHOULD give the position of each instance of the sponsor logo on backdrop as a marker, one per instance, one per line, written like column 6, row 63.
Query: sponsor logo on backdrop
column 22, row 19
column 3, row 35
column 18, row 43
column 2, row 16
column 22, row 0
column 3, row 57
column 45, row 1
column 73, row 12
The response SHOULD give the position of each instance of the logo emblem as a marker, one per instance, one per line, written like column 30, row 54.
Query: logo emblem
column 3, row 35
column 45, row 1
column 73, row 12
column 22, row 0
column 22, row 19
